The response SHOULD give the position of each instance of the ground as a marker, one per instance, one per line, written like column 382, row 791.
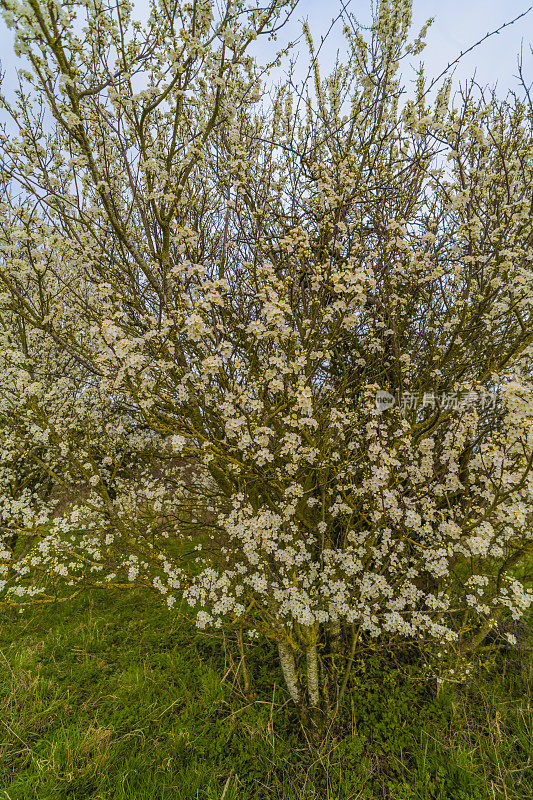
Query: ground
column 113, row 697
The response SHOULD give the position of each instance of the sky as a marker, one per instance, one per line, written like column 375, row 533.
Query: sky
column 458, row 24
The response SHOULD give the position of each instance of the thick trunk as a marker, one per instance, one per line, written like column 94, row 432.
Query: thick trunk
column 289, row 670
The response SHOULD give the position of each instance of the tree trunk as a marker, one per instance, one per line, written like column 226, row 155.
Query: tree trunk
column 312, row 675
column 289, row 670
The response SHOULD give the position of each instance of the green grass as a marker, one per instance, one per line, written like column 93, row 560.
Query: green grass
column 112, row 697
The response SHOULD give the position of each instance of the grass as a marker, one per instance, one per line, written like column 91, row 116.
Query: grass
column 113, row 698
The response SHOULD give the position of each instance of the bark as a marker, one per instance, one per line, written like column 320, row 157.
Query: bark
column 289, row 670
column 335, row 636
column 312, row 675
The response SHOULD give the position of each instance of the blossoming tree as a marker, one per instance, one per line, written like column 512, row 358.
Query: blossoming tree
column 314, row 312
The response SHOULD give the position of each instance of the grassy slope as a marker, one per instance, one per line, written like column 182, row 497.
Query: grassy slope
column 113, row 697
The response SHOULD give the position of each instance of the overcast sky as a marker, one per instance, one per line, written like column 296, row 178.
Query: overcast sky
column 458, row 24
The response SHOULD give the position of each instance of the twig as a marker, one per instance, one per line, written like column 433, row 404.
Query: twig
column 469, row 50
column 242, row 664
column 355, row 637
column 226, row 785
